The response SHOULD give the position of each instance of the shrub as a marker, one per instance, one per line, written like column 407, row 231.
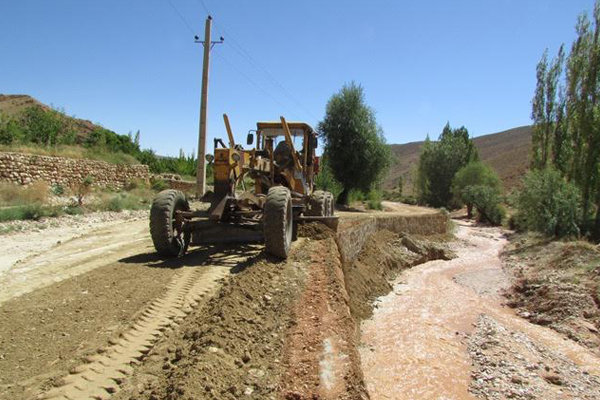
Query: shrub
column 121, row 201
column 374, row 200
column 83, row 189
column 473, row 174
column 136, row 184
column 486, row 201
column 325, row 179
column 116, row 204
column 549, row 204
column 356, row 196
column 58, row 189
column 33, row 211
column 73, row 210
column 412, row 200
column 10, row 130
column 158, row 184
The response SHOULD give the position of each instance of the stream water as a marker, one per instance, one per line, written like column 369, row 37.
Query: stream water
column 415, row 345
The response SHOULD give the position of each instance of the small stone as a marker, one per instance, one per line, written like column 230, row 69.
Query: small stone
column 554, row 379
column 246, row 357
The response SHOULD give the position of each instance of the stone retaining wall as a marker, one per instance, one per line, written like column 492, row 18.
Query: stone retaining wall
column 184, row 186
column 353, row 232
column 24, row 169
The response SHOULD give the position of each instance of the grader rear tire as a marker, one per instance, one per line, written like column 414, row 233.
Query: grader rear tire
column 162, row 216
column 317, row 204
column 330, row 204
column 278, row 221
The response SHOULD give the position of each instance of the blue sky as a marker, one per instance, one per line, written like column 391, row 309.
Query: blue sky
column 133, row 65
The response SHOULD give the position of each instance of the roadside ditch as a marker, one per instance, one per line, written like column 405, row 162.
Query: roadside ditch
column 290, row 329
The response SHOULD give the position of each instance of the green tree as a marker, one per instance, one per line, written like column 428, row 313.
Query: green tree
column 400, row 185
column 10, row 130
column 475, row 173
column 325, row 180
column 486, row 200
column 548, row 111
column 439, row 162
column 567, row 117
column 354, row 143
column 549, row 204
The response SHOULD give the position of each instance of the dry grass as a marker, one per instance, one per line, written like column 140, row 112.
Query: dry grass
column 17, row 195
column 33, row 202
column 76, row 152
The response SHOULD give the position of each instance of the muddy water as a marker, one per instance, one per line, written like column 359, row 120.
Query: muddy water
column 415, row 345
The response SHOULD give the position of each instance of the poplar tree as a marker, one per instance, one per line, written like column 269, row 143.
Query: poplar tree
column 548, row 112
column 566, row 117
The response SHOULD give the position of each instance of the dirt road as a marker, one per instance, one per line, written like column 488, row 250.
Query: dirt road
column 77, row 314
column 102, row 314
column 443, row 333
column 63, row 256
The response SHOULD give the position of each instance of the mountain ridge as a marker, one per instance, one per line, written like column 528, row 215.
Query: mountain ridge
column 507, row 152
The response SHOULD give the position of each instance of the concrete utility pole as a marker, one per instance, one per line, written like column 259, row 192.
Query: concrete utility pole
column 201, row 172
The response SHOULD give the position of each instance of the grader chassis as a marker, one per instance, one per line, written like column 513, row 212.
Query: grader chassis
column 282, row 196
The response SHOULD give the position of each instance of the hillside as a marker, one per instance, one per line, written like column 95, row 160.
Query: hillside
column 507, row 152
column 12, row 105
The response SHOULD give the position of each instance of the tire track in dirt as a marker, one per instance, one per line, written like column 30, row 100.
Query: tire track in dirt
column 104, row 372
column 74, row 257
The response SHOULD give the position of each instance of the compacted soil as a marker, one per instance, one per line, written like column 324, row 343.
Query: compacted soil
column 51, row 250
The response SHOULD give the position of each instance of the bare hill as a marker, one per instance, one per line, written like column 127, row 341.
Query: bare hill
column 507, row 152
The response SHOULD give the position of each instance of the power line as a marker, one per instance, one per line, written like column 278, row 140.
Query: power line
column 240, row 50
column 182, row 18
column 270, row 76
column 250, row 80
column 204, row 6
column 244, row 53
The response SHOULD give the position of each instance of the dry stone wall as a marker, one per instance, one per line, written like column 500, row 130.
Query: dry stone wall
column 24, row 169
column 354, row 232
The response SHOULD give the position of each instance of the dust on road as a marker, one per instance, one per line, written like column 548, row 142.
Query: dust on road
column 416, row 344
column 35, row 259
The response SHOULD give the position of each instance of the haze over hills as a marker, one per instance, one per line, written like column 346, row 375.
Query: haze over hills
column 507, row 152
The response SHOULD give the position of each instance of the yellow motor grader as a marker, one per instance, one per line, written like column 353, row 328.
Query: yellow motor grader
column 281, row 196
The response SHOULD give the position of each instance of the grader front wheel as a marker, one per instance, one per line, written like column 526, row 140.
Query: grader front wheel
column 166, row 235
column 278, row 221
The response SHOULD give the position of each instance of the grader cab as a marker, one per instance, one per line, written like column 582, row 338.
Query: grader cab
column 260, row 194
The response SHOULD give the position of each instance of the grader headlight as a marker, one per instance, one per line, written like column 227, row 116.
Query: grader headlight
column 236, row 157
